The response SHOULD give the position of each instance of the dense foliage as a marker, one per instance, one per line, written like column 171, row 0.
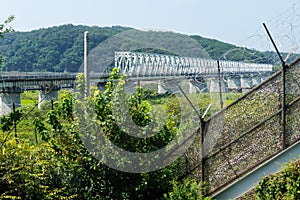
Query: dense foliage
column 50, row 49
column 48, row 160
column 60, row 48
column 189, row 189
column 4, row 28
column 282, row 185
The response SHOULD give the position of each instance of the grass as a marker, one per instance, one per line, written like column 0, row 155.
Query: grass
column 228, row 98
column 32, row 97
column 29, row 97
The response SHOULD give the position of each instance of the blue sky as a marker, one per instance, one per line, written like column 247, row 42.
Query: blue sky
column 232, row 21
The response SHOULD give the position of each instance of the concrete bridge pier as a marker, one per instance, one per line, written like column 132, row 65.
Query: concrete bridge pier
column 160, row 87
column 214, row 85
column 172, row 86
column 8, row 97
column 198, row 86
column 246, row 83
column 47, row 93
column 234, row 83
column 264, row 77
column 256, row 80
column 192, row 88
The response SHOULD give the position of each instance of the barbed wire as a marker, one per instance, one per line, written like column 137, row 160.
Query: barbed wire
column 285, row 29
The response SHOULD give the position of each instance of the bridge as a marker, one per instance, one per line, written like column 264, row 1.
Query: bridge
column 202, row 74
column 163, row 66
column 252, row 135
column 199, row 73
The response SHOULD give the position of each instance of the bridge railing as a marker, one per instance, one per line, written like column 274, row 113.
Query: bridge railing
column 249, row 131
column 35, row 76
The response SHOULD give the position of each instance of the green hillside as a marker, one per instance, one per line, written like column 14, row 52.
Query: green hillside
column 52, row 49
column 60, row 48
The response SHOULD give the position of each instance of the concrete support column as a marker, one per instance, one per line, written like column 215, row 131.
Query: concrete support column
column 9, row 97
column 256, row 80
column 192, row 88
column 46, row 95
column 246, row 83
column 234, row 83
column 264, row 77
column 160, row 88
column 198, row 85
column 214, row 86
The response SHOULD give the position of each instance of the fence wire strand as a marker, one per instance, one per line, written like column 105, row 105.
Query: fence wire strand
column 249, row 131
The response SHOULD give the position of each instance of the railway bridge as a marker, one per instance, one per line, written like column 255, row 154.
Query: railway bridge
column 201, row 74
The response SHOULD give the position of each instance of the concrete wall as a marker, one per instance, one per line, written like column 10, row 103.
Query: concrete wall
column 47, row 96
column 10, row 96
column 235, row 83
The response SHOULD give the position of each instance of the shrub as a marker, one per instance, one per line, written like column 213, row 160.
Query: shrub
column 283, row 185
column 190, row 189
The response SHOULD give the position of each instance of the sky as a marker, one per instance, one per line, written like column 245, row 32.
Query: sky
column 232, row 21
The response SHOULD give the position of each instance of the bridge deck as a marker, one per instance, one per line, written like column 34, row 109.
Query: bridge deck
column 140, row 66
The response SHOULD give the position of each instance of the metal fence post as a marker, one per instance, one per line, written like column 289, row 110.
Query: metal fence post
column 86, row 64
column 220, row 84
column 283, row 92
column 202, row 130
column 283, row 103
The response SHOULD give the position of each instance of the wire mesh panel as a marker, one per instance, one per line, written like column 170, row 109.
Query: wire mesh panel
column 243, row 135
column 293, row 81
column 245, row 113
column 293, row 111
column 243, row 153
column 193, row 156
column 293, row 123
column 252, row 129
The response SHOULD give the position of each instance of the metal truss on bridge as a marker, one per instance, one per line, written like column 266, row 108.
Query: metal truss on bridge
column 143, row 67
column 140, row 65
column 152, row 65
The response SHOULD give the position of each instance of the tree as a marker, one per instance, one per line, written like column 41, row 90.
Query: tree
column 5, row 29
column 60, row 167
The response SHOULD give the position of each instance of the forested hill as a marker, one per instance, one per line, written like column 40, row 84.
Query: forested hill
column 50, row 49
column 60, row 48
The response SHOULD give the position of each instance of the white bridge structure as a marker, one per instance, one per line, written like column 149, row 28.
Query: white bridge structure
column 151, row 65
column 201, row 73
column 163, row 70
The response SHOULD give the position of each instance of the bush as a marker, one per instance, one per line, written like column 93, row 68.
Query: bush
column 283, row 185
column 190, row 189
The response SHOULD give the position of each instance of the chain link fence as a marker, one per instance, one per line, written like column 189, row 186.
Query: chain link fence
column 248, row 132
